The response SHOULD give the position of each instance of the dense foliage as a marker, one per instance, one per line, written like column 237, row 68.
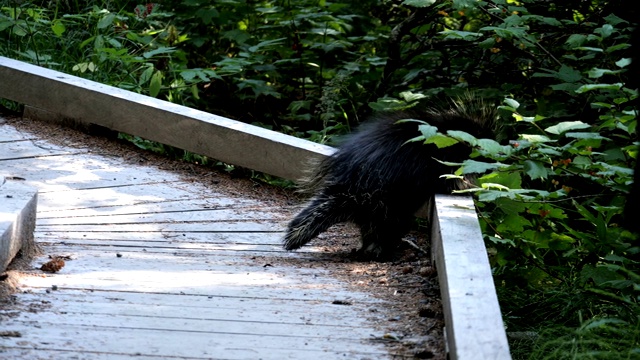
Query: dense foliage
column 551, row 189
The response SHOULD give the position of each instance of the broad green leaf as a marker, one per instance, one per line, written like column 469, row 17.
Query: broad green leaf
column 57, row 27
column 478, row 167
column 441, row 141
column 146, row 75
column 514, row 223
column 237, row 35
column 535, row 138
column 589, row 48
column 590, row 87
column 6, row 23
column 510, row 205
column 509, row 179
column 614, row 20
column 18, row 30
column 596, row 73
column 106, row 20
column 156, row 84
column 266, row 43
column 492, row 147
column 460, row 35
column 427, row 130
column 617, row 47
column 569, row 74
column 419, row 3
column 566, row 126
column 511, row 103
column 623, row 62
column 207, row 14
column 585, row 135
column 409, row 96
column 462, row 136
column 194, row 91
column 605, row 31
column 497, row 240
column 84, row 67
column 158, row 51
column 576, row 40
column 494, row 186
column 535, row 170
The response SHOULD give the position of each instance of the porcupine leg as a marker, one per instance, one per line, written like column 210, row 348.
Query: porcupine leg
column 380, row 236
column 323, row 212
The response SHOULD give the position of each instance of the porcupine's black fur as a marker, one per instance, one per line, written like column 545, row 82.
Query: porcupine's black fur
column 378, row 181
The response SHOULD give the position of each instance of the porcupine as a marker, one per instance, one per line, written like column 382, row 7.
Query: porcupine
column 378, row 180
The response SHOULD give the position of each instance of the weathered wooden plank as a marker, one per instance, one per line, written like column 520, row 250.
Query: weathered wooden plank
column 201, row 344
column 151, row 237
column 233, row 225
column 10, row 134
column 148, row 318
column 196, row 131
column 194, row 274
column 184, row 216
column 159, row 207
column 263, row 243
column 474, row 323
column 24, row 149
column 221, row 308
column 146, row 195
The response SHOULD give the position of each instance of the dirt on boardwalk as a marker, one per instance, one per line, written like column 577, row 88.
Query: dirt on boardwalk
column 408, row 283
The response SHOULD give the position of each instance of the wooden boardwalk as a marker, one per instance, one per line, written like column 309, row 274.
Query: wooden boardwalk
column 158, row 267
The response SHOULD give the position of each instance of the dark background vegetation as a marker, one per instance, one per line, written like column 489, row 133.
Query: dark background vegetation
column 551, row 189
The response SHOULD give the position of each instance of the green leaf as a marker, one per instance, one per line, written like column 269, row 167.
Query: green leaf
column 590, row 87
column 6, row 23
column 57, row 27
column 146, row 75
column 492, row 147
column 566, row 126
column 605, row 31
column 106, row 20
column 409, row 96
column 479, row 167
column 462, row 136
column 207, row 14
column 585, row 135
column 156, row 84
column 569, row 74
column 535, row 170
column 441, row 141
column 511, row 103
column 614, row 20
column 617, row 47
column 427, row 130
column 509, row 179
column 18, row 30
column 419, row 3
column 596, row 73
column 576, row 40
column 514, row 223
column 535, row 138
column 158, row 51
column 623, row 62
column 460, row 35
column 266, row 43
column 84, row 67
column 589, row 48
